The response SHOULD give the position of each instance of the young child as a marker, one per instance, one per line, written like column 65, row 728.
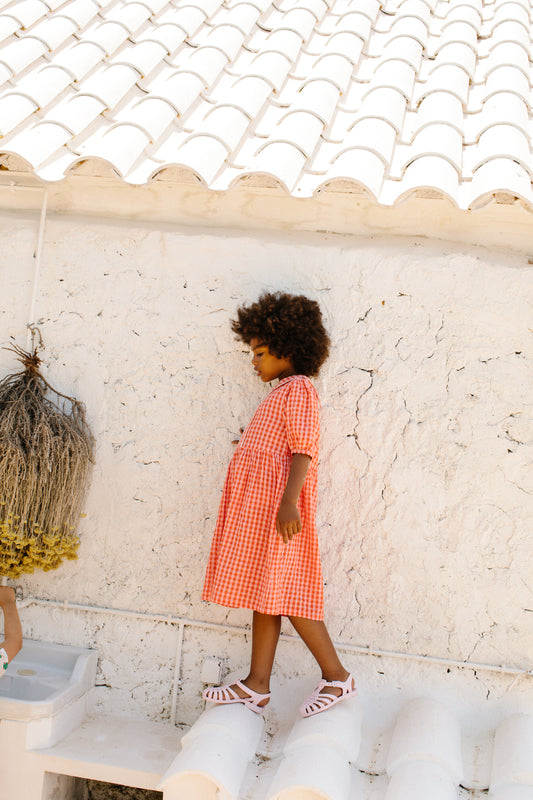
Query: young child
column 12, row 629
column 264, row 554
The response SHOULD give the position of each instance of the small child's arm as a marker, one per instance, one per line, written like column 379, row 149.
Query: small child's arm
column 288, row 522
column 12, row 628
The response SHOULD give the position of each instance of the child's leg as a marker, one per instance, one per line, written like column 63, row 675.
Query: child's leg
column 316, row 637
column 12, row 627
column 265, row 634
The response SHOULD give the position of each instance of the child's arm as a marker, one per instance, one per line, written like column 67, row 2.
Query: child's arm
column 12, row 628
column 288, row 522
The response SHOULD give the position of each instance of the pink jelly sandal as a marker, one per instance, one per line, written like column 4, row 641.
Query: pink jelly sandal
column 321, row 701
column 224, row 695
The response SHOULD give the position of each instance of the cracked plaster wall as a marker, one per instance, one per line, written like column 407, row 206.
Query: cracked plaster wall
column 425, row 479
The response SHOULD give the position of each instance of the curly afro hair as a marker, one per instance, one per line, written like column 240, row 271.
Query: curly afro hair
column 290, row 325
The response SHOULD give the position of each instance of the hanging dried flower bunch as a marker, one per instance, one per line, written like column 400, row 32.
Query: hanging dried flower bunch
column 46, row 453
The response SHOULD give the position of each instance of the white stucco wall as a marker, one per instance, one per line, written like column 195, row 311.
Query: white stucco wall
column 425, row 483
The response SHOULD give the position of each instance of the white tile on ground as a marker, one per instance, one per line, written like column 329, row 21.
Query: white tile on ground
column 420, row 781
column 317, row 755
column 38, row 143
column 214, row 754
column 427, row 731
column 19, row 54
column 143, row 57
column 14, row 108
column 76, row 113
column 111, row 84
column 513, row 753
column 79, row 59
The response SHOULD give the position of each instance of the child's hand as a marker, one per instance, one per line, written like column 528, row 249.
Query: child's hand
column 288, row 521
column 7, row 596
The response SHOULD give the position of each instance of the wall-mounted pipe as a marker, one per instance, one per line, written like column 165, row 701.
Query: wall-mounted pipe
column 184, row 622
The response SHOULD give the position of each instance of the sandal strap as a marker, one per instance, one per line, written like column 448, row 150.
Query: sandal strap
column 256, row 697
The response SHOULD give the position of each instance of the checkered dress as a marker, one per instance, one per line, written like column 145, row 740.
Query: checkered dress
column 249, row 564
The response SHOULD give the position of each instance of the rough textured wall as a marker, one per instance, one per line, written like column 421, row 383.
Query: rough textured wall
column 425, row 483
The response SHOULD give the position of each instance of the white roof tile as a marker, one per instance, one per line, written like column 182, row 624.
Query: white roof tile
column 8, row 25
column 20, row 53
column 76, row 113
column 27, row 12
column 396, row 97
column 13, row 109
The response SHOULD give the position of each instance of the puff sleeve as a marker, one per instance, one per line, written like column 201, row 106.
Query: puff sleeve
column 302, row 417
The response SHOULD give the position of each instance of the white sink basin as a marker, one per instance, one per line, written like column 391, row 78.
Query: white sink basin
column 45, row 678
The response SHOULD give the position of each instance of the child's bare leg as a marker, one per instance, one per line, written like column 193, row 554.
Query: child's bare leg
column 266, row 629
column 265, row 634
column 315, row 636
column 12, row 628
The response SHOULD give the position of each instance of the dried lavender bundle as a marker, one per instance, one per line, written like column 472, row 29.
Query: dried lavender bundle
column 46, row 454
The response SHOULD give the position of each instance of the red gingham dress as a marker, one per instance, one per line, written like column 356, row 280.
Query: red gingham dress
column 249, row 564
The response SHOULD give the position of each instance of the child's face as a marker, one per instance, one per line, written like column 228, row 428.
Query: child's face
column 268, row 366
